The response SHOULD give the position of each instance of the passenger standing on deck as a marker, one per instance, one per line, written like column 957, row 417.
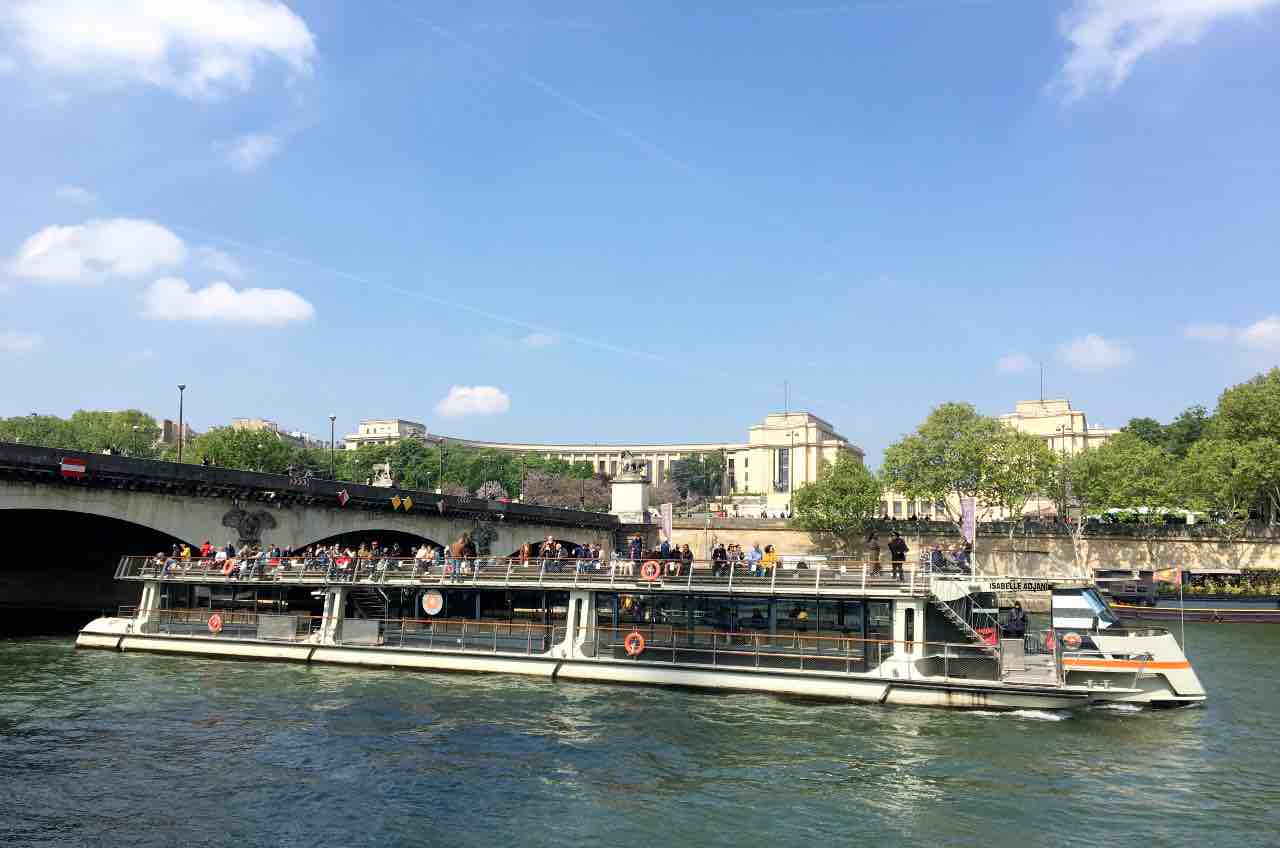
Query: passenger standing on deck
column 768, row 561
column 637, row 548
column 719, row 558
column 686, row 557
column 873, row 552
column 1016, row 626
column 753, row 560
column 897, row 555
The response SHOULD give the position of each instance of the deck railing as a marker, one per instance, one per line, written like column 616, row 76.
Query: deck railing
column 831, row 576
column 790, row 649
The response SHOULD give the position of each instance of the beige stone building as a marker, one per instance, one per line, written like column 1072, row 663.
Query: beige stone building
column 383, row 431
column 780, row 454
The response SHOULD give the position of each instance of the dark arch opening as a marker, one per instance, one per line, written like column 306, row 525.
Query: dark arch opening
column 59, row 568
column 353, row 539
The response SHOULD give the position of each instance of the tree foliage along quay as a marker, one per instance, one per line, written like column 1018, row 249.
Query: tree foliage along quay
column 844, row 499
column 414, row 464
column 1224, row 465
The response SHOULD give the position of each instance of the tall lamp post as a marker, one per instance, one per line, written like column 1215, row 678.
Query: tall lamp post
column 182, row 389
column 333, row 460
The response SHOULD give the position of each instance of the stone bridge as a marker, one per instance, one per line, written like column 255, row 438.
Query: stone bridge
column 74, row 525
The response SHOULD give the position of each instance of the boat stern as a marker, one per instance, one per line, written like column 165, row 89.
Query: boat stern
column 104, row 632
column 1150, row 664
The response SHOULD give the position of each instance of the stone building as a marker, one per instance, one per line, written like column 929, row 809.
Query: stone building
column 383, row 431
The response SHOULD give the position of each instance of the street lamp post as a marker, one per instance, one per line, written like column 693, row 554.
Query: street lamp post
column 333, row 460
column 182, row 389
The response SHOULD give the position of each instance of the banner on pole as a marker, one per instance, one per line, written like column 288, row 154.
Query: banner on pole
column 665, row 512
column 968, row 519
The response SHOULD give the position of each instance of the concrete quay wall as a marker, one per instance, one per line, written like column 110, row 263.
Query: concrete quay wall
column 1035, row 553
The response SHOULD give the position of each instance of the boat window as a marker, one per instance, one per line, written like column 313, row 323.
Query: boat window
column 910, row 628
column 1099, row 607
column 840, row 618
column 798, row 615
column 880, row 625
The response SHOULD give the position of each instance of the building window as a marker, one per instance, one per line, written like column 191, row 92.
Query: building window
column 745, row 461
column 613, row 467
column 784, row 468
column 884, row 507
column 897, row 509
column 940, row 508
column 661, row 470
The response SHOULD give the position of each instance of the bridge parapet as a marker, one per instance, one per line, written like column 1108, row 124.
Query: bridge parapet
column 89, row 470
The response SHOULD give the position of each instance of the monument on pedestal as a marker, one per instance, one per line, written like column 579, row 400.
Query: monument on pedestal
column 630, row 496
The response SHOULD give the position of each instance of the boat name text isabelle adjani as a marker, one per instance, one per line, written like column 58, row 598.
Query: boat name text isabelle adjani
column 1021, row 586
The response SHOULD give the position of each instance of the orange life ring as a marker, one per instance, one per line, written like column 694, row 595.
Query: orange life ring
column 1072, row 640
column 633, row 644
column 649, row 571
column 448, row 570
column 227, row 565
column 215, row 623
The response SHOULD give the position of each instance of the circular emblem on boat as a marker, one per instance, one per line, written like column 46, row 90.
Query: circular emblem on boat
column 1072, row 640
column 649, row 571
column 633, row 644
column 432, row 602
column 215, row 623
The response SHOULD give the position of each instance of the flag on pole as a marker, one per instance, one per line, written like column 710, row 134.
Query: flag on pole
column 968, row 520
column 343, row 497
column 1172, row 574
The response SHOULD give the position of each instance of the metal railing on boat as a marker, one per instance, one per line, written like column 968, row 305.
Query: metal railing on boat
column 743, row 649
column 832, row 576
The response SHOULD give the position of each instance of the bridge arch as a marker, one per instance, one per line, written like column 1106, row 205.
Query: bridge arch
column 59, row 566
column 385, row 537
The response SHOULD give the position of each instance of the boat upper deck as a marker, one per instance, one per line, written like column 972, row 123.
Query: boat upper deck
column 834, row 579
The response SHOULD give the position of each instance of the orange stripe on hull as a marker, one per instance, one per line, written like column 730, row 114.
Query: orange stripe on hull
column 1125, row 664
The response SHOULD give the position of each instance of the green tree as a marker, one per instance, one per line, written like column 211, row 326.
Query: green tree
column 1124, row 473
column 130, row 432
column 1185, row 430
column 948, row 457
column 247, row 450
column 1021, row 467
column 1250, row 410
column 841, row 502
column 1216, row 477
column 1149, row 430
column 47, row 431
column 699, row 474
column 1260, row 463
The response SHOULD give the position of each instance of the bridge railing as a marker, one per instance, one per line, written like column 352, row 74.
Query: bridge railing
column 832, row 575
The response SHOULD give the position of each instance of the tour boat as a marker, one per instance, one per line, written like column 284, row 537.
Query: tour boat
column 838, row 632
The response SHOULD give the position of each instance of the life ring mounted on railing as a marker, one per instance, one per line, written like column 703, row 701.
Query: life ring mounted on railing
column 215, row 624
column 650, row 570
column 633, row 644
column 1071, row 641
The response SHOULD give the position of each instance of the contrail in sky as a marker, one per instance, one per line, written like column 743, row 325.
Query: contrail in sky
column 550, row 90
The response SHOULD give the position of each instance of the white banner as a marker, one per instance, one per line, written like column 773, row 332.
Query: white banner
column 968, row 519
column 665, row 512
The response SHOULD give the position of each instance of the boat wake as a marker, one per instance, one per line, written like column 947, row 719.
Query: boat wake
column 1032, row 715
column 1118, row 707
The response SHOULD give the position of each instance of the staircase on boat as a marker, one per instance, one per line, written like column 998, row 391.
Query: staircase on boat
column 369, row 602
column 967, row 618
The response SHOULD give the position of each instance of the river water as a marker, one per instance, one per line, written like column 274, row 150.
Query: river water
column 98, row 748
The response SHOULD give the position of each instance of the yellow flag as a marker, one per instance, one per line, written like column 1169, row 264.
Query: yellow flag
column 395, row 502
column 407, row 503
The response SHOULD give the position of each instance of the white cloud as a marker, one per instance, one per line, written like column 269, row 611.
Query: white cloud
column 1207, row 332
column 172, row 299
column 473, row 400
column 95, row 250
column 197, row 48
column 1014, row 363
column 1263, row 335
column 75, row 194
column 1094, row 353
column 249, row 152
column 220, row 263
column 539, row 340
column 19, row 343
column 1108, row 37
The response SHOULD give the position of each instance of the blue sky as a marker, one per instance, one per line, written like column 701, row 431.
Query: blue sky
column 609, row 221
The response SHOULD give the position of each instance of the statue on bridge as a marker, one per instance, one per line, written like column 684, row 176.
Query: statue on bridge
column 249, row 525
column 633, row 466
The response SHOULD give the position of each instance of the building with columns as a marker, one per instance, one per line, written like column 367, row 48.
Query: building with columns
column 780, row 454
